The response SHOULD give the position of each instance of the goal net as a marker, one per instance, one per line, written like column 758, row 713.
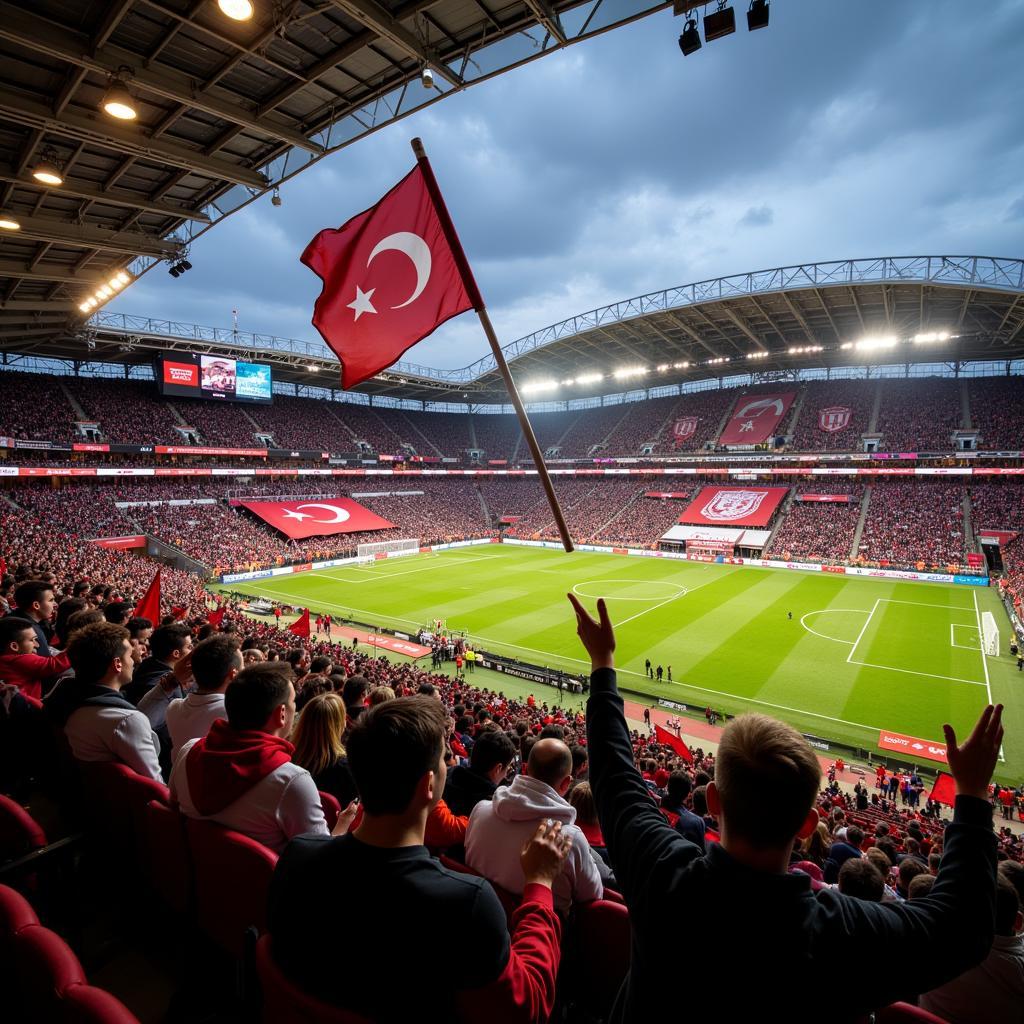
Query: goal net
column 990, row 634
column 387, row 549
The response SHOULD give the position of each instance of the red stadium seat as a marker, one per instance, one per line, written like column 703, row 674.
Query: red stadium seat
column 46, row 968
column 86, row 1004
column 117, row 797
column 905, row 1013
column 232, row 877
column 596, row 950
column 168, row 861
column 16, row 913
column 509, row 900
column 332, row 808
column 20, row 833
column 285, row 1003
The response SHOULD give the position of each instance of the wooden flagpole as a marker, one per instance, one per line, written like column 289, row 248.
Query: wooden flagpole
column 469, row 282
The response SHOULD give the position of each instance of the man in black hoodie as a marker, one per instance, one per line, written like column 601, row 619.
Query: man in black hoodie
column 489, row 761
column 772, row 943
column 167, row 646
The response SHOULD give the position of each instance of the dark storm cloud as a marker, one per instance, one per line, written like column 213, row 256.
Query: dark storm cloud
column 617, row 167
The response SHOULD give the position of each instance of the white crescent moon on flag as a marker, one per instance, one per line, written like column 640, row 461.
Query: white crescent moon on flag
column 416, row 249
column 340, row 514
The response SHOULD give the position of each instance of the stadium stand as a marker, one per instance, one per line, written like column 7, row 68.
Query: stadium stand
column 127, row 411
column 996, row 404
column 819, row 530
column 818, row 430
column 919, row 415
column 914, row 524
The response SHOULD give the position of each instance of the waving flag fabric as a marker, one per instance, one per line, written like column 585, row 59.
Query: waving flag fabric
column 313, row 518
column 664, row 736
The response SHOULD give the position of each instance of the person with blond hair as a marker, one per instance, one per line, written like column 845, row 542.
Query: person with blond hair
column 319, row 749
column 772, row 943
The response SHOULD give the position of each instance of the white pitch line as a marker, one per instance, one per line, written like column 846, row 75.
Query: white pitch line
column 984, row 658
column 404, row 572
column 823, row 611
column 860, row 635
column 914, row 672
column 925, row 604
column 674, row 597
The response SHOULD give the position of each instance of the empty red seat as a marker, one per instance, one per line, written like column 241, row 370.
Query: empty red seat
column 596, row 952
column 906, row 1013
column 168, row 862
column 117, row 797
column 86, row 1004
column 15, row 913
column 285, row 1003
column 46, row 968
column 332, row 808
column 20, row 833
column 232, row 878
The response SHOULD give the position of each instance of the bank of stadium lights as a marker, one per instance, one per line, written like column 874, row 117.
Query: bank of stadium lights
column 8, row 222
column 48, row 169
column 590, row 378
column 105, row 291
column 931, row 337
column 758, row 355
column 537, row 386
column 801, row 350
column 627, row 372
column 722, row 22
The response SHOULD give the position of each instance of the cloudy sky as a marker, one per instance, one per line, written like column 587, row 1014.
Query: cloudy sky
column 617, row 167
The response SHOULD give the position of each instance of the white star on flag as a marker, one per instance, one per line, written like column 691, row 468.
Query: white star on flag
column 290, row 513
column 361, row 303
column 747, row 425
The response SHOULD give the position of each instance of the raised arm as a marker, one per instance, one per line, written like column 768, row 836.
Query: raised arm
column 639, row 838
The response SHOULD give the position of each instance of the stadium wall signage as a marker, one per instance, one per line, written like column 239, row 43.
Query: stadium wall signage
column 912, row 746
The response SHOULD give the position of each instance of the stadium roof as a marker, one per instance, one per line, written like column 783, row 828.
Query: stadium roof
column 766, row 322
column 226, row 111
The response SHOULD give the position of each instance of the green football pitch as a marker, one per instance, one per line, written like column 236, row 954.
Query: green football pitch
column 857, row 656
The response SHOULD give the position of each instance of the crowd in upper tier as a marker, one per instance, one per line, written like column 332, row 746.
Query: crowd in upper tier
column 902, row 415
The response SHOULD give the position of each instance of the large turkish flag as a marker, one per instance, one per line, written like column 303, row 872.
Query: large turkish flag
column 317, row 516
column 390, row 279
column 754, row 418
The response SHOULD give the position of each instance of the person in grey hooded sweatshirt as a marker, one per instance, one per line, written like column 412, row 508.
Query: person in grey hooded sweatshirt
column 499, row 828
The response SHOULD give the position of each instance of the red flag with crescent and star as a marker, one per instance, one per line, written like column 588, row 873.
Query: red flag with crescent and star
column 390, row 279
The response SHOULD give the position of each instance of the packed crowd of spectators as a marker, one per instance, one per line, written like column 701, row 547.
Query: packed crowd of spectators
column 35, row 409
column 593, row 509
column 570, row 492
column 821, row 531
column 644, row 521
column 128, row 411
column 592, row 427
column 914, row 524
column 919, row 415
column 220, row 424
column 848, row 398
column 996, row 412
column 997, row 506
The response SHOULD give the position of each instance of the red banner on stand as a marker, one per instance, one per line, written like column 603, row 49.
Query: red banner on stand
column 734, row 506
column 298, row 519
column 755, row 418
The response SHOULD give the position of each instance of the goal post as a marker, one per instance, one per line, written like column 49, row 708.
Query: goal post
column 387, row 549
column 990, row 634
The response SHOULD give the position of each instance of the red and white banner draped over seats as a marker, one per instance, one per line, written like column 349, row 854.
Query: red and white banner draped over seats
column 684, row 428
column 734, row 506
column 755, row 418
column 834, row 418
column 298, row 519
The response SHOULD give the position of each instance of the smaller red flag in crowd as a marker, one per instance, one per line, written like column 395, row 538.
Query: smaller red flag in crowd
column 944, row 790
column 179, row 611
column 3, row 566
column 215, row 618
column 300, row 627
column 664, row 736
column 149, row 606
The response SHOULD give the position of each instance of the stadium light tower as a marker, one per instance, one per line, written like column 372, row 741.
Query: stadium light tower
column 757, row 15
column 719, row 23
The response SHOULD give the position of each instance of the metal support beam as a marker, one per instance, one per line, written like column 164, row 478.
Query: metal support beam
column 65, row 275
column 755, row 340
column 43, row 36
column 38, row 306
column 549, row 19
column 96, row 195
column 691, row 333
column 85, row 236
column 378, row 20
column 36, row 114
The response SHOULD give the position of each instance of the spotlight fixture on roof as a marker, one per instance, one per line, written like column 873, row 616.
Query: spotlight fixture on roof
column 104, row 290
column 427, row 78
column 689, row 41
column 8, row 222
column 236, row 10
column 275, row 197
column 48, row 170
column 719, row 23
column 757, row 15
column 179, row 268
column 118, row 101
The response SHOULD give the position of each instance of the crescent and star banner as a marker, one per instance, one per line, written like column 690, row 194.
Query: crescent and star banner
column 755, row 418
column 734, row 506
column 390, row 279
column 299, row 519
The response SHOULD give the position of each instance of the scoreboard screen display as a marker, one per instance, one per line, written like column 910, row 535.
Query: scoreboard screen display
column 183, row 375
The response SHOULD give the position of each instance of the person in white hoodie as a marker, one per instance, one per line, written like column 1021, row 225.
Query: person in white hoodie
column 499, row 828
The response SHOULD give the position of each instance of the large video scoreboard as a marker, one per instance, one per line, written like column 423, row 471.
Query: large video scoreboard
column 185, row 375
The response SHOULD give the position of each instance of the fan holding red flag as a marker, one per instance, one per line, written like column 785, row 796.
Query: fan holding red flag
column 300, row 627
column 215, row 618
column 664, row 736
column 391, row 276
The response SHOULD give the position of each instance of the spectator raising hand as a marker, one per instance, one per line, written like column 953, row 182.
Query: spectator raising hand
column 973, row 763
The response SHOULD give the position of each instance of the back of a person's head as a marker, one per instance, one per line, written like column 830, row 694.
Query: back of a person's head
column 27, row 593
column 65, row 610
column 212, row 660
column 379, row 694
column 860, row 878
column 11, row 629
column 295, row 657
column 679, row 786
column 581, row 796
column 700, row 800
column 909, row 868
column 552, row 731
column 492, row 747
column 934, row 860
column 391, row 748
column 92, row 649
column 881, row 830
column 118, row 612
column 855, row 836
column 312, row 686
column 320, row 665
column 318, row 732
column 920, row 885
column 550, row 761
column 426, row 690
column 767, row 777
column 255, row 692
column 1008, row 906
column 355, row 691
column 81, row 619
column 1013, row 872
column 168, row 639
column 138, row 624
column 879, row 858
